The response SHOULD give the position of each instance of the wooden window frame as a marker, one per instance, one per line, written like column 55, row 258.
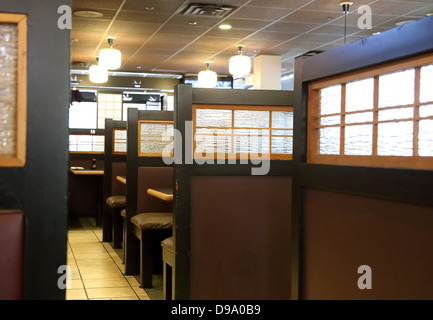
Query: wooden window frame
column 410, row 162
column 19, row 159
column 114, row 140
column 233, row 108
column 87, row 152
column 140, row 154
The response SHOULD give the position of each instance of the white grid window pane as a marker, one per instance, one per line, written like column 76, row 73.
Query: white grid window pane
column 330, row 100
column 109, row 106
column 397, row 88
column 360, row 95
column 426, row 93
column 395, row 139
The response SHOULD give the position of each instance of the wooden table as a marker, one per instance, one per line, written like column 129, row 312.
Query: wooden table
column 165, row 194
column 121, row 179
column 87, row 172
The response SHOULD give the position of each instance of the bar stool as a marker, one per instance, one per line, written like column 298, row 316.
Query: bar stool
column 116, row 204
column 151, row 228
column 168, row 257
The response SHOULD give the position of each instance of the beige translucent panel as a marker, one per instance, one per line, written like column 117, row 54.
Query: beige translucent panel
column 359, row 117
column 329, row 140
column 252, row 132
column 120, row 147
column 251, row 119
column 395, row 139
column 251, row 144
column 330, row 100
column 155, row 137
column 426, row 111
column 395, row 114
column 119, row 134
column 84, row 148
column 360, row 95
column 282, row 119
column 426, row 89
column 213, row 131
column 425, row 138
column 213, row 118
column 397, row 88
column 8, row 85
column 282, row 132
column 282, row 145
column 213, row 144
column 329, row 121
column 358, row 140
column 84, row 139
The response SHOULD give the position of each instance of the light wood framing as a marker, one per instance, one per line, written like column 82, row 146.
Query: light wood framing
column 374, row 160
column 19, row 159
column 234, row 155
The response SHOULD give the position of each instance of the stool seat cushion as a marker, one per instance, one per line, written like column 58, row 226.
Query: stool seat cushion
column 123, row 213
column 168, row 244
column 153, row 220
column 116, row 201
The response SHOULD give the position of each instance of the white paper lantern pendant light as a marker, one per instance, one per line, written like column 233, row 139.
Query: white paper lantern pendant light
column 98, row 74
column 207, row 78
column 110, row 58
column 240, row 65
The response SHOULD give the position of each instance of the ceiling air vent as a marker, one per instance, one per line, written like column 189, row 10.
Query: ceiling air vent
column 208, row 10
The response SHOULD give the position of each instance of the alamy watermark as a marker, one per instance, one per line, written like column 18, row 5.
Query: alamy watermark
column 365, row 281
column 64, row 281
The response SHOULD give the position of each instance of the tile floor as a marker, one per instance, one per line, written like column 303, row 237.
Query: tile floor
column 97, row 271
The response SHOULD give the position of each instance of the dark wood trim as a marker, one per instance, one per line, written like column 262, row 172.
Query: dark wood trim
column 131, row 245
column 185, row 97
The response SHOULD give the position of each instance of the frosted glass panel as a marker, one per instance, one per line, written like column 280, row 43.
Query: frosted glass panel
column 120, row 147
column 282, row 145
column 330, row 100
column 251, row 144
column 213, row 144
column 359, row 140
column 426, row 93
column 8, row 82
column 330, row 140
column 425, row 143
column 282, row 120
column 252, row 132
column 397, row 88
column 251, row 119
column 395, row 114
column 282, row 132
column 329, row 121
column 120, row 134
column 213, row 131
column 155, row 137
column 395, row 139
column 213, row 118
column 359, row 95
column 359, row 117
column 426, row 111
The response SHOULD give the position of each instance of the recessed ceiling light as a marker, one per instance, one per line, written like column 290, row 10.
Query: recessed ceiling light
column 225, row 26
column 139, row 67
column 430, row 14
column 375, row 33
column 149, row 8
column 192, row 22
column 88, row 14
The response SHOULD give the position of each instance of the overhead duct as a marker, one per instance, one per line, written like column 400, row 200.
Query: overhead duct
column 205, row 9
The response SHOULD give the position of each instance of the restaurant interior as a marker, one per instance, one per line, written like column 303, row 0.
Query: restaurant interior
column 216, row 150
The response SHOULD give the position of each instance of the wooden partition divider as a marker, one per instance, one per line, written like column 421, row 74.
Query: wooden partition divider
column 135, row 159
column 232, row 227
column 114, row 165
column 363, row 229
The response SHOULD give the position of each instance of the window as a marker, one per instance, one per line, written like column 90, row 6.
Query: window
column 120, row 141
column 86, row 143
column 109, row 106
column 82, row 115
column 156, row 137
column 243, row 131
column 377, row 117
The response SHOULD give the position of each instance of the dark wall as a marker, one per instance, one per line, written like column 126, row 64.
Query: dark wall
column 345, row 231
column 240, row 248
column 40, row 188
